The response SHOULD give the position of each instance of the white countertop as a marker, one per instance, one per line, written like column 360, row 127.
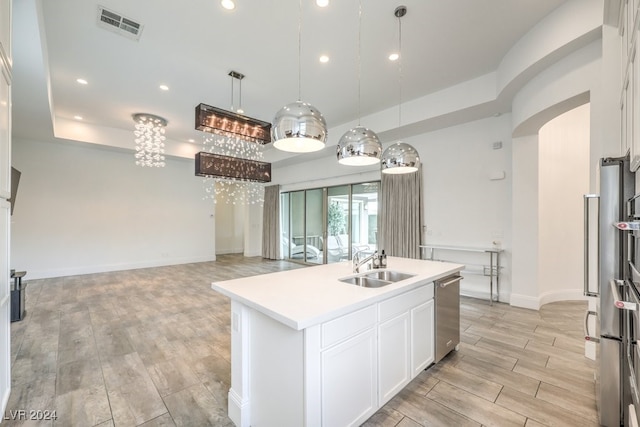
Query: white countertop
column 308, row 296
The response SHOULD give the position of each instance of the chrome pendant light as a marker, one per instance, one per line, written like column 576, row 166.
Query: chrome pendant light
column 359, row 146
column 400, row 157
column 299, row 127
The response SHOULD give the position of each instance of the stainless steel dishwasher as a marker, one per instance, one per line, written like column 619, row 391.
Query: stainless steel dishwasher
column 447, row 300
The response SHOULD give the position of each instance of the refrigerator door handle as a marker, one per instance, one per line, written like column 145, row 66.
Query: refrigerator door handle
column 587, row 198
column 618, row 302
column 587, row 335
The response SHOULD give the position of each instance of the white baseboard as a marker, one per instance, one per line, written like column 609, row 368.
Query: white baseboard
column 525, row 301
column 503, row 297
column 534, row 303
column 33, row 274
column 238, row 410
column 229, row 251
column 565, row 295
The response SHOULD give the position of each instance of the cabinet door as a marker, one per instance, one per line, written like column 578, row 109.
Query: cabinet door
column 393, row 356
column 349, row 381
column 422, row 337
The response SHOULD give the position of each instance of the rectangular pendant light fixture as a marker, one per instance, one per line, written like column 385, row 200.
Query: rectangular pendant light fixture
column 227, row 123
column 219, row 166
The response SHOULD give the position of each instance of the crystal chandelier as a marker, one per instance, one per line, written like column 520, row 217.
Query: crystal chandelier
column 230, row 190
column 149, row 133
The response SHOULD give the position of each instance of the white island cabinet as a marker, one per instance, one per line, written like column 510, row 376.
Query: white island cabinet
column 310, row 350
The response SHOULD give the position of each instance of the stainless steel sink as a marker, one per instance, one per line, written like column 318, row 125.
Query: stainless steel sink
column 389, row 275
column 376, row 279
column 365, row 282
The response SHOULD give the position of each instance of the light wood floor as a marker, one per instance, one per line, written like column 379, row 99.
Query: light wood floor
column 151, row 347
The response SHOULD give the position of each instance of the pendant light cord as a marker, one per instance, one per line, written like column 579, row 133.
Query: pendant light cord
column 400, row 71
column 359, row 56
column 240, row 97
column 300, row 52
column 232, row 108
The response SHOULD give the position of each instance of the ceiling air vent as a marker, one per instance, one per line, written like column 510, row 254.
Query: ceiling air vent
column 117, row 23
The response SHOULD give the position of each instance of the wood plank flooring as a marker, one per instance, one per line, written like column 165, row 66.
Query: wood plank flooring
column 151, row 347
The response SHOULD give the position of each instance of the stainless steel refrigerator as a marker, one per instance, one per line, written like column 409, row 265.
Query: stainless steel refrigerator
column 617, row 187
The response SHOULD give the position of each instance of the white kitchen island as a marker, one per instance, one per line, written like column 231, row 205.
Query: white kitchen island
column 310, row 350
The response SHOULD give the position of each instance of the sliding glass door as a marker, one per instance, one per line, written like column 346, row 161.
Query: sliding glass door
column 337, row 236
column 330, row 224
column 364, row 215
column 312, row 238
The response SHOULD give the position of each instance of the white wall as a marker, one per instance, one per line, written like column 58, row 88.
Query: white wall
column 570, row 82
column 563, row 172
column 463, row 205
column 229, row 221
column 524, row 211
column 82, row 209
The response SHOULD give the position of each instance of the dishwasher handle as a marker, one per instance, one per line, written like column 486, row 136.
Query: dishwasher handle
column 449, row 282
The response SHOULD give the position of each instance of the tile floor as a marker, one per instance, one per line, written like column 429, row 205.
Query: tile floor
column 150, row 347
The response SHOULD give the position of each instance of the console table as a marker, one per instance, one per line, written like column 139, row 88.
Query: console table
column 492, row 270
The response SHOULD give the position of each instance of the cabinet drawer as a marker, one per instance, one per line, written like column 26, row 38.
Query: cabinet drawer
column 401, row 303
column 350, row 324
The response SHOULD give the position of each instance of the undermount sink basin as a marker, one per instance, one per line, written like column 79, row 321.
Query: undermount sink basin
column 389, row 275
column 377, row 279
column 365, row 282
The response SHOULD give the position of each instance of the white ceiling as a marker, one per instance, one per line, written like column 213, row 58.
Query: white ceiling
column 192, row 45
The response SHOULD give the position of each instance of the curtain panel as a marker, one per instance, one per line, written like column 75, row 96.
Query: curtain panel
column 271, row 223
column 401, row 214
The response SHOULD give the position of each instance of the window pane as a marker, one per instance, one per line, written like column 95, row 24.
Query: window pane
column 296, row 239
column 313, row 238
column 337, row 245
column 364, row 216
column 284, row 225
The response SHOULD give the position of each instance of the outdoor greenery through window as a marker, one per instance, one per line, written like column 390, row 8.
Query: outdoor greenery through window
column 329, row 224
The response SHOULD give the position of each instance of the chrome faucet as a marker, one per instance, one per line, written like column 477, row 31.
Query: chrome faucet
column 357, row 263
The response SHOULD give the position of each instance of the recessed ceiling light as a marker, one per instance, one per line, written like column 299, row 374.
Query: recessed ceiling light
column 164, row 87
column 324, row 59
column 192, row 140
column 322, row 3
column 77, row 117
column 394, row 57
column 228, row 4
column 82, row 81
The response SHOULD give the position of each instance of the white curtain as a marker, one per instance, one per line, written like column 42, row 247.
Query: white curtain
column 401, row 214
column 271, row 223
